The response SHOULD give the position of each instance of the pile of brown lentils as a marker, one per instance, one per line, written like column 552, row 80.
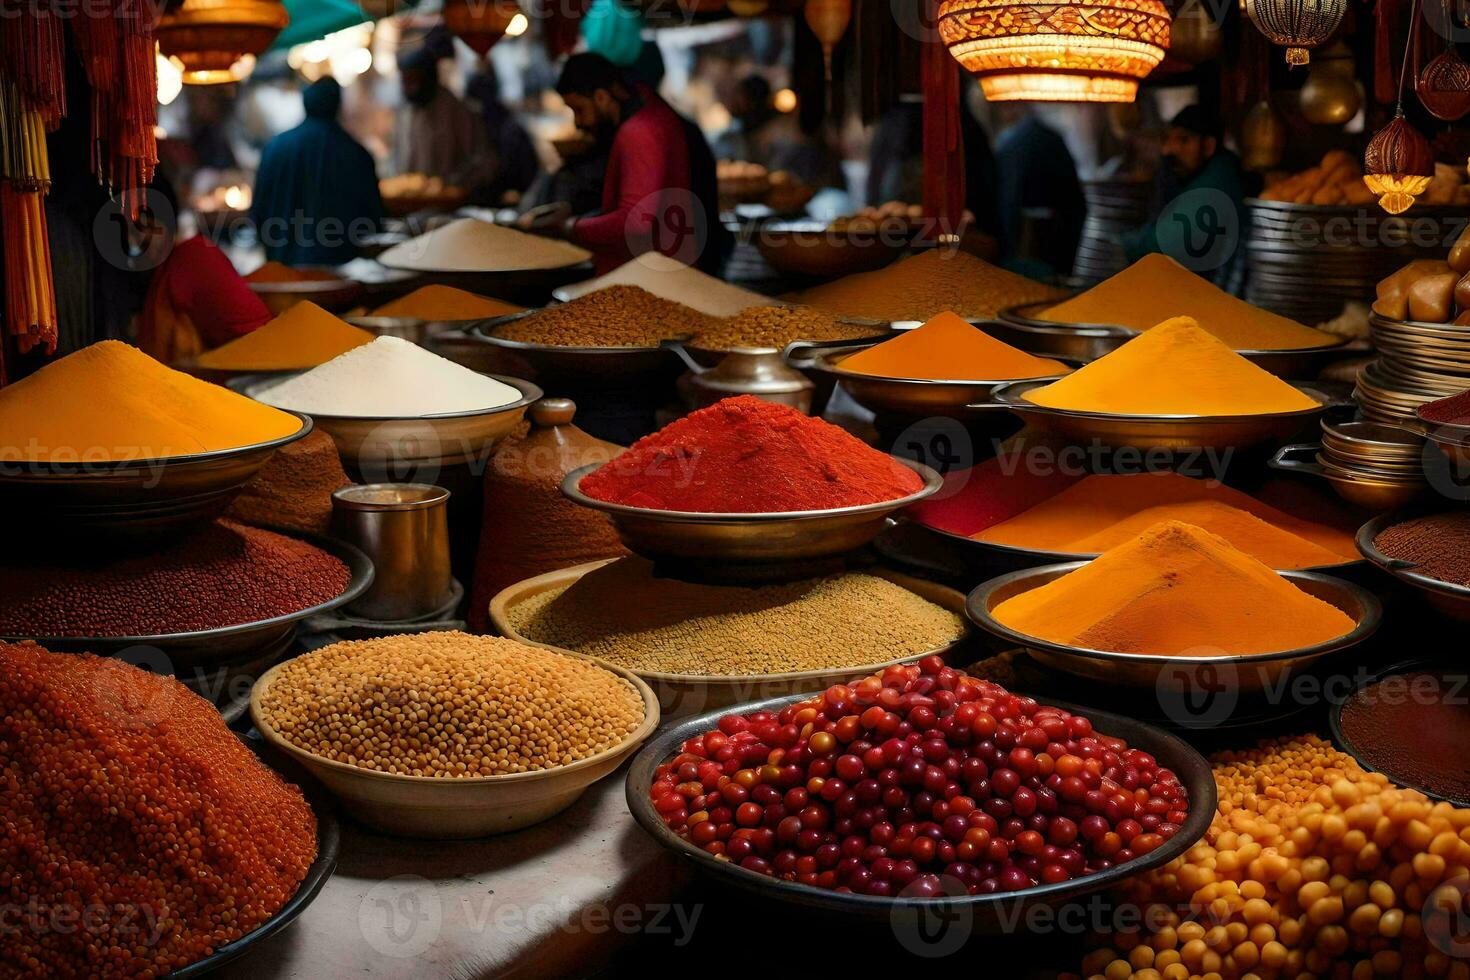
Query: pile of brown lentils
column 138, row 834
column 1311, row 868
column 777, row 326
column 618, row 316
column 449, row 705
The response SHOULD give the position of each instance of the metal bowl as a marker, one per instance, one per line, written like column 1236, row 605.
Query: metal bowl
column 409, row 328
column 552, row 363
column 194, row 655
column 1148, row 432
column 1371, row 491
column 386, row 445
column 451, row 807
column 330, row 294
column 131, row 500
column 919, row 397
column 1246, row 674
column 1373, row 442
column 988, row 913
column 802, row 354
column 684, row 694
column 756, row 538
column 328, row 844
column 1089, row 341
column 1451, row 599
column 813, row 250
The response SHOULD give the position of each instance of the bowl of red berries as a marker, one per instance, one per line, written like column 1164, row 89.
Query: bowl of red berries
column 921, row 784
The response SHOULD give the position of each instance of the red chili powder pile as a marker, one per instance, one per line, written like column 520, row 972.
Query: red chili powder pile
column 223, row 575
column 140, row 833
column 1454, row 410
column 1414, row 727
column 744, row 456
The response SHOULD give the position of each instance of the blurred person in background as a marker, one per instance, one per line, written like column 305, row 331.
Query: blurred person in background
column 659, row 191
column 517, row 165
column 762, row 134
column 438, row 135
column 1042, row 206
column 316, row 192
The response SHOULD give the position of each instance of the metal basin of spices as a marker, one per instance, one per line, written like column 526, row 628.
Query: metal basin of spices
column 330, row 294
column 1149, row 432
column 410, row 328
column 1023, row 327
column 553, row 363
column 387, row 446
column 132, row 500
column 685, row 694
column 1447, row 597
column 989, row 914
column 757, row 538
column 1245, row 674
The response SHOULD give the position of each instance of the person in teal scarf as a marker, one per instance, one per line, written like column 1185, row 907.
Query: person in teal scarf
column 316, row 192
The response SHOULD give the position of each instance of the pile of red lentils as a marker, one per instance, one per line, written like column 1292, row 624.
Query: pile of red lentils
column 1311, row 868
column 137, row 833
column 224, row 575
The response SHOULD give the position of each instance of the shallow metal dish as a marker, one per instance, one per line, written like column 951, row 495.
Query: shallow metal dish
column 919, row 397
column 409, row 328
column 387, row 447
column 988, row 913
column 622, row 365
column 131, row 500
column 458, row 808
column 802, row 354
column 812, row 249
column 328, row 843
column 686, row 694
column 1451, row 599
column 1374, row 494
column 1090, row 341
column 1146, row 432
column 761, row 538
column 330, row 294
column 1247, row 674
column 192, row 656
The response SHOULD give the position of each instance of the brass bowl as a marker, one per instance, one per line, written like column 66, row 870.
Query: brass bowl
column 1371, row 491
column 756, row 538
column 1022, row 326
column 812, row 250
column 552, row 363
column 1247, row 674
column 1447, row 597
column 413, row 329
column 1149, row 432
column 330, row 294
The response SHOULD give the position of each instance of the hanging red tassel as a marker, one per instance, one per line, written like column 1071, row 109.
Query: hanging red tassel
column 944, row 150
column 1385, row 82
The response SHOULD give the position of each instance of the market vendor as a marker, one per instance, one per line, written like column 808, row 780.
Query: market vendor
column 316, row 193
column 1202, row 193
column 659, row 191
column 439, row 135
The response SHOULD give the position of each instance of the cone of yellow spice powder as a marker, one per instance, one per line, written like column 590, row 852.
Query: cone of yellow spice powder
column 946, row 348
column 1174, row 590
column 305, row 336
column 1176, row 368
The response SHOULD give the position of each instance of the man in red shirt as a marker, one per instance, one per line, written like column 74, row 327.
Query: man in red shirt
column 659, row 191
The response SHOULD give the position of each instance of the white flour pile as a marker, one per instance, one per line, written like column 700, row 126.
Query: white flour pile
column 471, row 245
column 673, row 280
column 389, row 378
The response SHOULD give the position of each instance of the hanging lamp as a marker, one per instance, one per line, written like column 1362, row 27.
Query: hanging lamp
column 479, row 23
column 1399, row 161
column 1296, row 25
column 1072, row 51
column 212, row 42
column 828, row 20
column 748, row 8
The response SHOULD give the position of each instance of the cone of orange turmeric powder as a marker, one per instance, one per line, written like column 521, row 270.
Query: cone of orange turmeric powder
column 303, row 337
column 1176, row 589
column 946, row 348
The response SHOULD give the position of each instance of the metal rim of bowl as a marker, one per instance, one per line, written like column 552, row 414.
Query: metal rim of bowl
column 1024, row 315
column 360, row 571
column 483, row 332
column 328, row 846
column 332, row 285
column 571, row 487
column 828, row 363
column 1340, row 739
column 247, row 384
column 1194, row 774
column 20, row 469
column 977, row 606
column 1010, row 394
column 1013, row 552
column 1348, row 439
column 853, row 343
column 371, row 322
column 1399, row 568
column 650, row 721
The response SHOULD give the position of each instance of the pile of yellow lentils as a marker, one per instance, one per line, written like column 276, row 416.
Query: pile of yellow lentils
column 1311, row 868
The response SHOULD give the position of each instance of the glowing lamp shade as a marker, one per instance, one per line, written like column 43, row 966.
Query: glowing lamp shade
column 1075, row 51
column 1398, row 165
column 212, row 42
column 480, row 23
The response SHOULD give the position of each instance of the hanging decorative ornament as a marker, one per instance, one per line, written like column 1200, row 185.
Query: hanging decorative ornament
column 1399, row 161
column 212, row 42
column 1262, row 137
column 1296, row 25
column 1195, row 36
column 748, row 8
column 480, row 23
column 1444, row 86
column 1072, row 51
column 828, row 20
column 1331, row 95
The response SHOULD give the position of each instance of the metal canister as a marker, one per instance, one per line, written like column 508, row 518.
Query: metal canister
column 752, row 371
column 404, row 529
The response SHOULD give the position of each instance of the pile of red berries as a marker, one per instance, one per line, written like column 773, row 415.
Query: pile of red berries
column 882, row 786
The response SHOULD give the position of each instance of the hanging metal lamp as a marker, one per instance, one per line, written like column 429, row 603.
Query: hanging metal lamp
column 213, row 42
column 1296, row 25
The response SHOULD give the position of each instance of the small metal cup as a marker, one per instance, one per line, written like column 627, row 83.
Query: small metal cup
column 404, row 529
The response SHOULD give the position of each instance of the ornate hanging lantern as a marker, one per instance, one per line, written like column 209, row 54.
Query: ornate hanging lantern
column 1398, row 164
column 828, row 20
column 216, row 41
column 480, row 23
column 1296, row 25
column 1444, row 86
column 1072, row 51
